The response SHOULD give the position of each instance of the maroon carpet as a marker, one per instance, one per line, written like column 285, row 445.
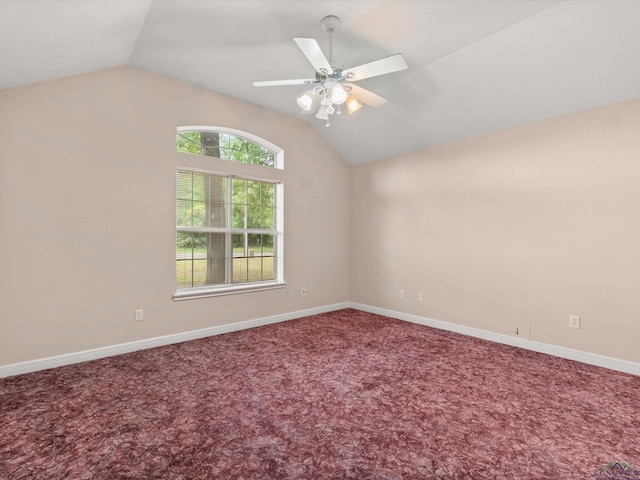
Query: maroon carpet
column 343, row 395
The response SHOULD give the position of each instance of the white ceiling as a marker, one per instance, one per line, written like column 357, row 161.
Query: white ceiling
column 475, row 66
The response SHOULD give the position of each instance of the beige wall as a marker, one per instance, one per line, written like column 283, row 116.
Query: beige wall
column 515, row 230
column 87, row 212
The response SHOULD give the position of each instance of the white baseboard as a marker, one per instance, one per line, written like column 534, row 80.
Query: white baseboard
column 96, row 353
column 557, row 351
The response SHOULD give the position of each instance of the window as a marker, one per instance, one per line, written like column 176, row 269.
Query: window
column 228, row 226
column 224, row 145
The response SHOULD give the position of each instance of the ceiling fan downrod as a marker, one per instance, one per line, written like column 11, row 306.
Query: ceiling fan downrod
column 329, row 25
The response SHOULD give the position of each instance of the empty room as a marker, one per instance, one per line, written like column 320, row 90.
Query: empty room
column 320, row 239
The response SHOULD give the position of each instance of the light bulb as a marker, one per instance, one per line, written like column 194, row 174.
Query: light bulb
column 353, row 104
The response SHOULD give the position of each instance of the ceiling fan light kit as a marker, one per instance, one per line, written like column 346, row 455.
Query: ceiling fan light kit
column 332, row 84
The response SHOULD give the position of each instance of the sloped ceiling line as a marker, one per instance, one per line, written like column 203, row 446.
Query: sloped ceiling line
column 475, row 66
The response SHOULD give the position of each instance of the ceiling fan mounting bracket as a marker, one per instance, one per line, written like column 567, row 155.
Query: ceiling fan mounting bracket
column 330, row 23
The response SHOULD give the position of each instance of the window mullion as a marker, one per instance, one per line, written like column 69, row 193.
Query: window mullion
column 254, row 230
column 228, row 235
column 202, row 229
column 192, row 247
column 244, row 220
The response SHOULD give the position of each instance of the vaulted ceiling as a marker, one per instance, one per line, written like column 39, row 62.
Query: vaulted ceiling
column 475, row 66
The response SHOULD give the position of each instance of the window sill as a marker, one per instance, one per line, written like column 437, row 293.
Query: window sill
column 191, row 293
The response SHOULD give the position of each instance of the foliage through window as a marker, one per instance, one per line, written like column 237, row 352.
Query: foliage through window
column 225, row 146
column 227, row 230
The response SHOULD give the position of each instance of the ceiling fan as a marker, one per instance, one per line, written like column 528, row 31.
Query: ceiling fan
column 333, row 84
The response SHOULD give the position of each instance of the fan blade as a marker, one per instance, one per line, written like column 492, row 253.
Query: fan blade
column 277, row 83
column 312, row 51
column 391, row 64
column 366, row 96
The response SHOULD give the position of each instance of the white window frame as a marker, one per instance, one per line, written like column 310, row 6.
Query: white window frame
column 232, row 169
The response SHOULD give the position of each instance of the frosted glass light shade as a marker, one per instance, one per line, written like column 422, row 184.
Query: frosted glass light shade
column 339, row 94
column 322, row 113
column 306, row 100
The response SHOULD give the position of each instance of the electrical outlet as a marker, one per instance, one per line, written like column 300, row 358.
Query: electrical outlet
column 139, row 315
column 574, row 321
column 303, row 292
column 401, row 293
column 421, row 297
